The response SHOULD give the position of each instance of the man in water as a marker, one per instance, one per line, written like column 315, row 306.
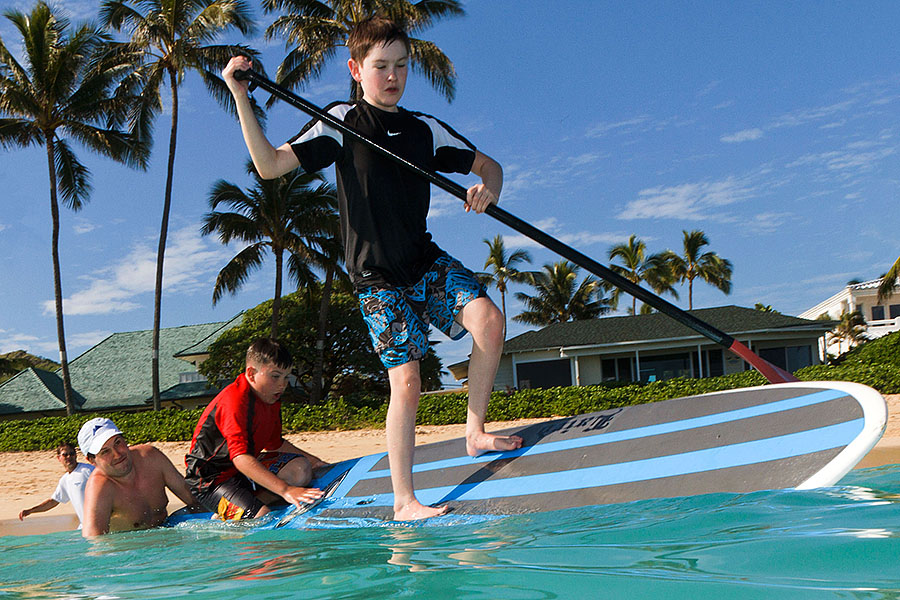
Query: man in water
column 127, row 489
column 71, row 484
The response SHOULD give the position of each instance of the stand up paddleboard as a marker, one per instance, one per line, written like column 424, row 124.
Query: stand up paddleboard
column 793, row 435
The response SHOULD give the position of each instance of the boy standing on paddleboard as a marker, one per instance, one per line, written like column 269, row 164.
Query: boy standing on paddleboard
column 237, row 453
column 404, row 281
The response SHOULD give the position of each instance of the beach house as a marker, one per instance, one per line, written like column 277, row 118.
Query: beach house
column 650, row 348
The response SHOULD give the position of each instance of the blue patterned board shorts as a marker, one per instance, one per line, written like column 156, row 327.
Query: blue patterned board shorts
column 398, row 318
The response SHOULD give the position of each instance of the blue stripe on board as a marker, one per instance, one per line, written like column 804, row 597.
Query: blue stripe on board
column 629, row 434
column 358, row 471
column 698, row 461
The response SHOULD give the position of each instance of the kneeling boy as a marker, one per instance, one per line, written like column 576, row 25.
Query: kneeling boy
column 237, row 454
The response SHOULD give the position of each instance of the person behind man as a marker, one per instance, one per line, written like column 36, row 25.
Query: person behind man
column 127, row 489
column 237, row 453
column 404, row 281
column 70, row 487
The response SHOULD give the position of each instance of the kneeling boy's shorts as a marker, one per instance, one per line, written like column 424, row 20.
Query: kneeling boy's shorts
column 398, row 318
column 235, row 498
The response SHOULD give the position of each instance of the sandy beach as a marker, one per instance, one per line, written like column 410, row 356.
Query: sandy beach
column 29, row 478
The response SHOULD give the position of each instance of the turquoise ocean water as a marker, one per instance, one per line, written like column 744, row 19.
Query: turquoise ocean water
column 838, row 542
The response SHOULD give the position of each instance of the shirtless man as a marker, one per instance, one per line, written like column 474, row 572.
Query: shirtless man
column 127, row 489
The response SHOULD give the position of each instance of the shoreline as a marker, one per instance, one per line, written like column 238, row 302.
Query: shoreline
column 29, row 478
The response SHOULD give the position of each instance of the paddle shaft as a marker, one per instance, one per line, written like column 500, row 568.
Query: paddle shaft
column 770, row 371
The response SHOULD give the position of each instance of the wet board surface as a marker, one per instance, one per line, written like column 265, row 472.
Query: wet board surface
column 794, row 435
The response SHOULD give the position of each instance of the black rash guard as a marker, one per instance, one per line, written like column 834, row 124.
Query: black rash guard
column 384, row 206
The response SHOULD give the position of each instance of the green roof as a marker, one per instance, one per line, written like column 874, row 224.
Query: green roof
column 116, row 373
column 202, row 346
column 734, row 320
column 34, row 390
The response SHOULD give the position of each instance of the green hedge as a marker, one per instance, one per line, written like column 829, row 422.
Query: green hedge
column 442, row 409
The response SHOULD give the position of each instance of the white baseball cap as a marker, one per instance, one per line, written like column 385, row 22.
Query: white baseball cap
column 94, row 434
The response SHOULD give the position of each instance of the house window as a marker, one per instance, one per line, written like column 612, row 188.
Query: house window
column 658, row 368
column 617, row 369
column 544, row 374
column 895, row 311
column 878, row 313
column 789, row 358
column 713, row 364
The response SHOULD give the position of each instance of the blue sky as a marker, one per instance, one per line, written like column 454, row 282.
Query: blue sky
column 770, row 126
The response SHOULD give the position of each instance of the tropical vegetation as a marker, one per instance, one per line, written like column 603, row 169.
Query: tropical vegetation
column 503, row 270
column 350, row 366
column 693, row 264
column 168, row 38
column 889, row 282
column 294, row 214
column 313, row 30
column 66, row 90
column 850, row 329
column 637, row 266
column 560, row 297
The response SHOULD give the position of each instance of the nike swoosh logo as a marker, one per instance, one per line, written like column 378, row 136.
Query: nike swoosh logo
column 393, row 133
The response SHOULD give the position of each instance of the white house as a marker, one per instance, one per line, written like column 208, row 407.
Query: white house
column 881, row 318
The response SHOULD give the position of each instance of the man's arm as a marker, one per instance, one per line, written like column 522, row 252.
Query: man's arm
column 98, row 503
column 174, row 480
column 42, row 507
column 482, row 195
column 270, row 162
column 257, row 472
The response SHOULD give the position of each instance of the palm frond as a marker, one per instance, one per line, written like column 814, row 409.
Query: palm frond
column 72, row 176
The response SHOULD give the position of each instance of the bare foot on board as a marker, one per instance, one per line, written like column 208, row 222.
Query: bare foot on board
column 478, row 444
column 415, row 511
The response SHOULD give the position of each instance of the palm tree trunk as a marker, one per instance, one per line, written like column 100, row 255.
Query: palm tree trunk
column 319, row 367
column 276, row 301
column 163, row 234
column 57, row 280
column 503, row 305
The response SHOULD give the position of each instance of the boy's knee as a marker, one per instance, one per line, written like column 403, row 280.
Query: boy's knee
column 492, row 324
column 296, row 472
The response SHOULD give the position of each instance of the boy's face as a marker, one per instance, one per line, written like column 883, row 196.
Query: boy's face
column 268, row 381
column 382, row 75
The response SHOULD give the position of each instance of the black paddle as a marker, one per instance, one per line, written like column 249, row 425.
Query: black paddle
column 771, row 372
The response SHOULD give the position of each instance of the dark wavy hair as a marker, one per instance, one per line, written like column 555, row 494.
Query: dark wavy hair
column 371, row 32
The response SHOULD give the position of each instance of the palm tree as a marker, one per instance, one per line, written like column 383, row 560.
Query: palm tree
column 169, row 38
column 314, row 29
column 637, row 267
column 65, row 90
column 708, row 266
column 889, row 282
column 560, row 298
column 503, row 270
column 851, row 328
column 282, row 215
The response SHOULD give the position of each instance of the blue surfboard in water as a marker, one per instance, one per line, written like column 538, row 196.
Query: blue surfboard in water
column 793, row 435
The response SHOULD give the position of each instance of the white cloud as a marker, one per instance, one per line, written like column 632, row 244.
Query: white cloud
column 552, row 227
column 10, row 341
column 746, row 135
column 190, row 265
column 602, row 129
column 692, row 201
column 82, row 226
